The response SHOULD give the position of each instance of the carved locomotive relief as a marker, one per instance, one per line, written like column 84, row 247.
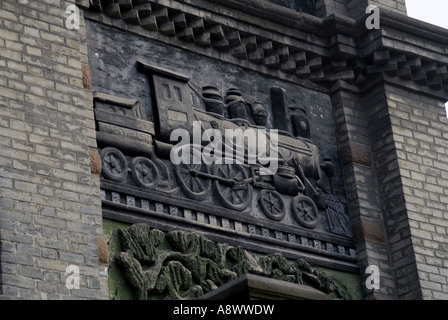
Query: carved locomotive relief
column 136, row 153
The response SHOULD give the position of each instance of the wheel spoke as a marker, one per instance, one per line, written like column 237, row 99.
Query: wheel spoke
column 115, row 160
column 191, row 182
column 267, row 203
column 187, row 179
column 186, row 171
column 226, row 191
column 236, row 194
column 230, row 197
column 220, row 170
column 273, row 204
column 238, row 175
column 277, row 208
column 199, row 183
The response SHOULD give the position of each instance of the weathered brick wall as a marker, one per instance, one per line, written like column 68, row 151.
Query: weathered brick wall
column 399, row 257
column 49, row 199
column 393, row 148
column 392, row 143
column 420, row 131
column 360, row 119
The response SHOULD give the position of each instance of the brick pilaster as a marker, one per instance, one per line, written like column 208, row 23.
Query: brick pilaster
column 50, row 205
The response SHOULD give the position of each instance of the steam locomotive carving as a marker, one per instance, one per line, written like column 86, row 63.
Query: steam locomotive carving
column 137, row 151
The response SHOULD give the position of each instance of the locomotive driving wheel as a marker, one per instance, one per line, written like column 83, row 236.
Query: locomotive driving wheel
column 114, row 164
column 305, row 212
column 237, row 195
column 194, row 185
column 145, row 173
column 272, row 204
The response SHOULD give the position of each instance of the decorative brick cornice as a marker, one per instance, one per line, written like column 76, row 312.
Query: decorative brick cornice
column 300, row 47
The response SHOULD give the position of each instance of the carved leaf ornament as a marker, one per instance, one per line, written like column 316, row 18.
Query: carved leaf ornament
column 190, row 265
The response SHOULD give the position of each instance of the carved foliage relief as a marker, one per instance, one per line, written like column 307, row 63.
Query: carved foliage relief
column 180, row 265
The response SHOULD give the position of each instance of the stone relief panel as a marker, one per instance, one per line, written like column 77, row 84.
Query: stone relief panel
column 143, row 91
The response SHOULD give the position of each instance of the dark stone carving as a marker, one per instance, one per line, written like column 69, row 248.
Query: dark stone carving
column 272, row 204
column 231, row 187
column 114, row 164
column 213, row 100
column 179, row 265
column 305, row 211
column 145, row 172
column 236, row 104
column 190, row 179
column 174, row 105
column 259, row 114
column 220, row 200
column 328, row 168
column 286, row 182
column 299, row 180
column 280, row 110
column 300, row 123
column 164, row 173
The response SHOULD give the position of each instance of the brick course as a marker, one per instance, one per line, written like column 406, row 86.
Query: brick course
column 392, row 141
column 402, row 191
column 50, row 209
column 425, row 194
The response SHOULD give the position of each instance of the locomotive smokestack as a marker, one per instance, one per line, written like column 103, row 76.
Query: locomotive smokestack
column 280, row 110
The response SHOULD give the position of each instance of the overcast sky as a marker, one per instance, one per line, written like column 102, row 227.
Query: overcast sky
column 432, row 11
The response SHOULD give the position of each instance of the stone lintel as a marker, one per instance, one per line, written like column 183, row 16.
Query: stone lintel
column 253, row 287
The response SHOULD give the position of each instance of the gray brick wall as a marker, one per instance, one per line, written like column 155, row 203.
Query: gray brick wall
column 401, row 259
column 393, row 148
column 420, row 130
column 392, row 142
column 49, row 200
column 360, row 118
